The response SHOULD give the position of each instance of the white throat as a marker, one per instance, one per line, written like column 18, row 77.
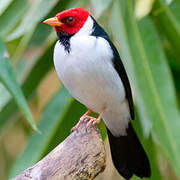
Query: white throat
column 87, row 28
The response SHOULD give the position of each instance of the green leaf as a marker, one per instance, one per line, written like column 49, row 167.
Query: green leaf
column 7, row 77
column 40, row 35
column 11, row 16
column 35, row 14
column 99, row 6
column 20, row 71
column 24, row 42
column 168, row 18
column 51, row 118
column 102, row 129
column 4, row 96
column 146, row 64
column 4, row 4
column 40, row 69
column 25, row 66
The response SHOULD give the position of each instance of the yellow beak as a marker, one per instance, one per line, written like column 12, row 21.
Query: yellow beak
column 53, row 21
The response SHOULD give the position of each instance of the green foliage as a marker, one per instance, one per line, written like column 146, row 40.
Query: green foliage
column 9, row 18
column 7, row 77
column 155, row 87
column 149, row 48
column 168, row 20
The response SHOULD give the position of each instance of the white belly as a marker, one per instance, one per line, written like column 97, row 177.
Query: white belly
column 88, row 74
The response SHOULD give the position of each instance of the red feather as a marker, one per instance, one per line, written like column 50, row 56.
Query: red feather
column 79, row 16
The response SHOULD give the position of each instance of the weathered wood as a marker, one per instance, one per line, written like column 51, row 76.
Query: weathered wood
column 80, row 156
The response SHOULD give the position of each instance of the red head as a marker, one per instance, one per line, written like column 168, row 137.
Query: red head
column 69, row 21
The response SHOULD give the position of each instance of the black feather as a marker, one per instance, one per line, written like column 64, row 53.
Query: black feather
column 128, row 155
column 64, row 39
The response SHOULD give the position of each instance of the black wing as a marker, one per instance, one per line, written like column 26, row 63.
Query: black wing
column 98, row 31
column 118, row 65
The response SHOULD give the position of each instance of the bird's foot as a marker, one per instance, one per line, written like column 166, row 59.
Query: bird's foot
column 95, row 121
column 91, row 120
column 84, row 118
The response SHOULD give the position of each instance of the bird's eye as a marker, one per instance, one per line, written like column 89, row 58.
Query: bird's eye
column 70, row 20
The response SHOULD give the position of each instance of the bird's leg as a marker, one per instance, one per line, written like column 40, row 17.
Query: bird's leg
column 94, row 121
column 83, row 118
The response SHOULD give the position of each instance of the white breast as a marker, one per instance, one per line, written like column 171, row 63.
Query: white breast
column 88, row 73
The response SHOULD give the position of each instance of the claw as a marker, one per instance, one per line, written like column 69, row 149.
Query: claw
column 91, row 120
column 84, row 118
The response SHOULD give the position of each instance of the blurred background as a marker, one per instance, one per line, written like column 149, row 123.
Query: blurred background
column 147, row 35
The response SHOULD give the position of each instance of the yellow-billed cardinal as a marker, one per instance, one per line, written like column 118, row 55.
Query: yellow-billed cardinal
column 90, row 67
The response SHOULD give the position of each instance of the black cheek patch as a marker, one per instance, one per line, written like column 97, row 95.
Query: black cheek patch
column 64, row 39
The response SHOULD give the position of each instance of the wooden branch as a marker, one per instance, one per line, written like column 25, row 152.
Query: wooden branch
column 80, row 156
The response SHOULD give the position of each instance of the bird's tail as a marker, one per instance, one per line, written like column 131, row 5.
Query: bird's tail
column 128, row 155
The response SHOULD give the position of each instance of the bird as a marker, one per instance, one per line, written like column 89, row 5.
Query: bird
column 90, row 67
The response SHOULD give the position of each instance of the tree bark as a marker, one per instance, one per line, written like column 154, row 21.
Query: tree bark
column 80, row 156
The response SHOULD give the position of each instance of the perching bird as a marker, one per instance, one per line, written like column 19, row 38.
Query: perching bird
column 90, row 67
